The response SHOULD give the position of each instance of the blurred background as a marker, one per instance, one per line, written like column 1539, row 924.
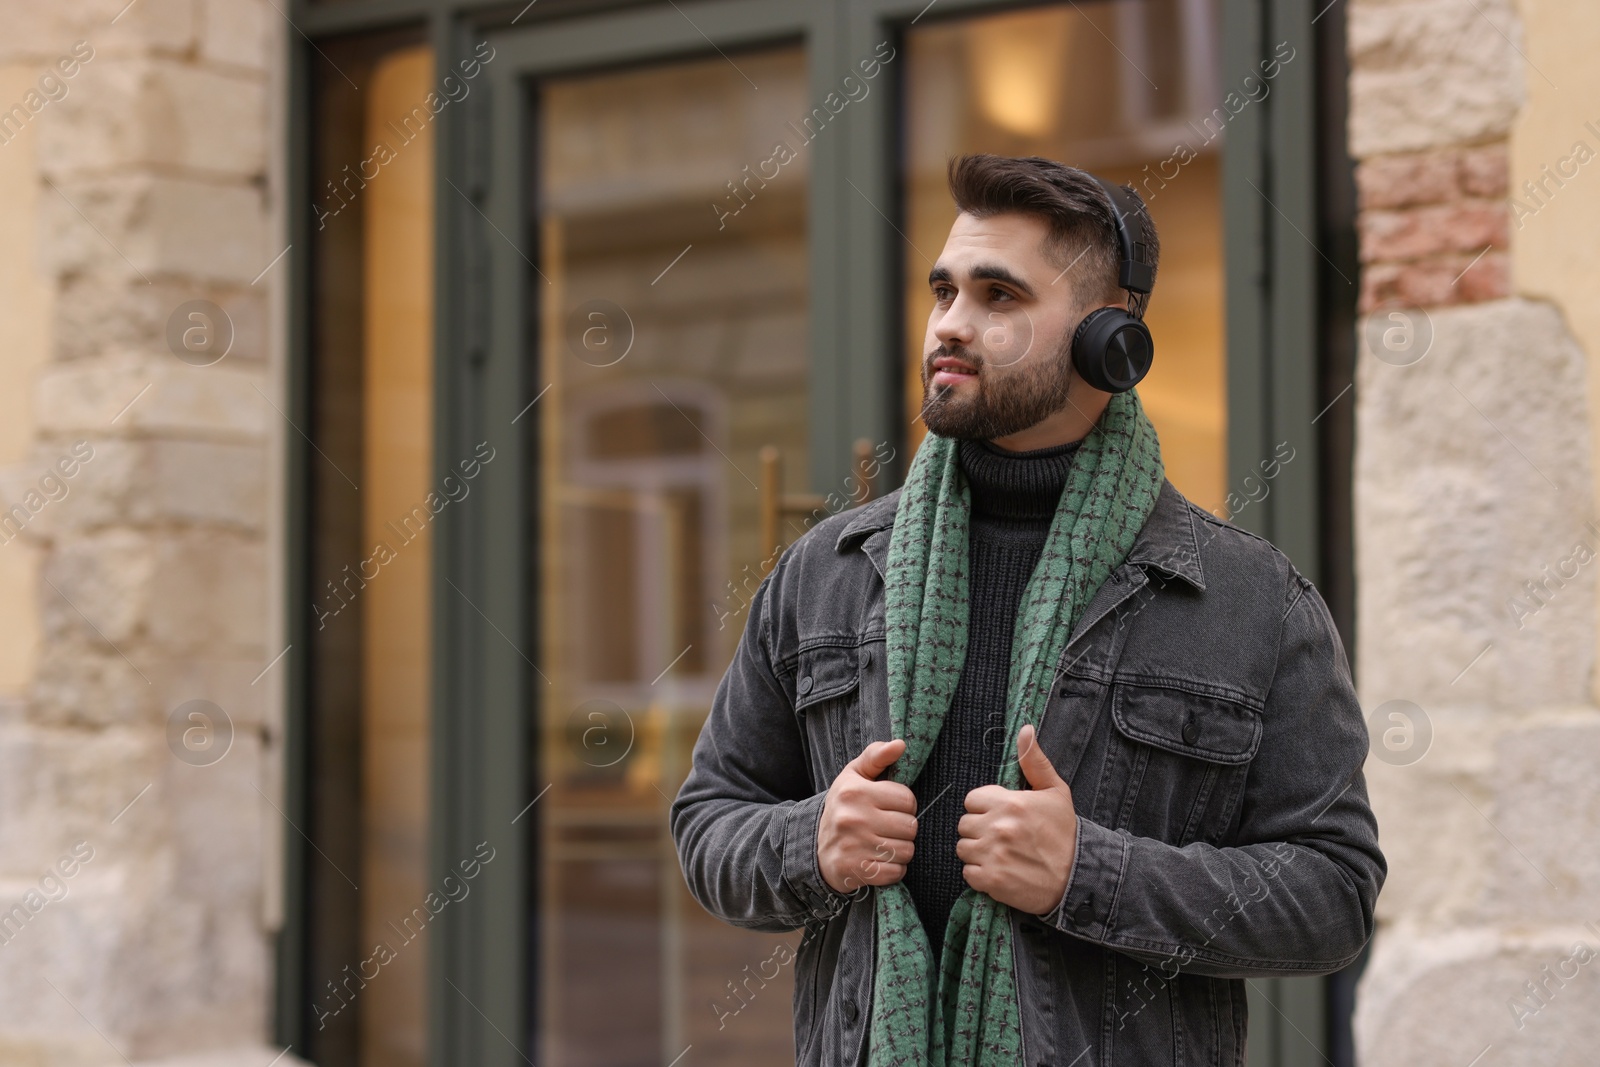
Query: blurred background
column 401, row 401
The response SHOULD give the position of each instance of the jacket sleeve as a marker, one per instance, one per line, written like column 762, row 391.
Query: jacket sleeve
column 1294, row 893
column 745, row 820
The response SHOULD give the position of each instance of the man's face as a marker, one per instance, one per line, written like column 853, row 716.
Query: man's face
column 997, row 355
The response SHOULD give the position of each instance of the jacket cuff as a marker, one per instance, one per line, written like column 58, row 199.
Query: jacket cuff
column 1090, row 899
column 801, row 871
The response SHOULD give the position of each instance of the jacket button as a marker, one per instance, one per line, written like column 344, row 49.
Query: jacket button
column 805, row 686
column 1191, row 730
column 850, row 1010
column 1085, row 914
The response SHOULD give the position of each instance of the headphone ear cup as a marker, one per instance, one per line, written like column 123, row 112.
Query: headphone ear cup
column 1112, row 350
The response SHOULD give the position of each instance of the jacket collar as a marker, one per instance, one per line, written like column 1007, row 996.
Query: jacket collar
column 1167, row 542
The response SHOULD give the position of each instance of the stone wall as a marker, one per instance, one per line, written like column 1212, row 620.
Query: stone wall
column 138, row 843
column 1476, row 542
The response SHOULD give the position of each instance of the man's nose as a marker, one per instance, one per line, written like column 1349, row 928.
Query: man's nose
column 957, row 326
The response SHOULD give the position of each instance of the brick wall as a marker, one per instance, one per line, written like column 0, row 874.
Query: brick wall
column 1435, row 229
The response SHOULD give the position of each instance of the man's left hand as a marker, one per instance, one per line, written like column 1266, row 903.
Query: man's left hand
column 1017, row 845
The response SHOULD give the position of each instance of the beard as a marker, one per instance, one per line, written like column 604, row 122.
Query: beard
column 998, row 405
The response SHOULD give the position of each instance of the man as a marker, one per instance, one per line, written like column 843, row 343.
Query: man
column 1045, row 759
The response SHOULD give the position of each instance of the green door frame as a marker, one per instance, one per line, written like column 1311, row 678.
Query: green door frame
column 485, row 251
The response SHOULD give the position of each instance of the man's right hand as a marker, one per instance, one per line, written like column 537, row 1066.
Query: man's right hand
column 868, row 827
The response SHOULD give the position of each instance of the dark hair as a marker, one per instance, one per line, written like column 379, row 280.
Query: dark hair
column 1077, row 209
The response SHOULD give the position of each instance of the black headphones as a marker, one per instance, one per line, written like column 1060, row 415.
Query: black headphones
column 1112, row 348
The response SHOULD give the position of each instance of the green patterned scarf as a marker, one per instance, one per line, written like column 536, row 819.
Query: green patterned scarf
column 972, row 1017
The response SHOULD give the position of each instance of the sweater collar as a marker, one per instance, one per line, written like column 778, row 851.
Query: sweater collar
column 1016, row 486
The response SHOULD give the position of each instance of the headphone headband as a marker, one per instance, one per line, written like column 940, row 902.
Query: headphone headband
column 1135, row 275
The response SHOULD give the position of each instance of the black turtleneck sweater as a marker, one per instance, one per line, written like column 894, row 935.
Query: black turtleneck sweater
column 1014, row 497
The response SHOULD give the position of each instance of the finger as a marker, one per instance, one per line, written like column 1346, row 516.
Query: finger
column 885, row 874
column 1036, row 766
column 977, row 877
column 891, row 796
column 876, row 757
column 986, row 798
column 892, row 826
column 889, row 850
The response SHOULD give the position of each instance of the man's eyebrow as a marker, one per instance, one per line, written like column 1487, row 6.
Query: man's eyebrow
column 993, row 272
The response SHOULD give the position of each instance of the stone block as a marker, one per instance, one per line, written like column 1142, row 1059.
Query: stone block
column 1447, row 1000
column 19, row 627
column 100, row 587
column 240, row 33
column 237, row 1056
column 57, row 500
column 230, row 684
column 149, row 481
column 1432, row 73
column 86, row 682
column 61, row 785
column 157, row 113
column 1472, row 476
column 1545, row 800
column 142, row 227
column 172, row 893
column 95, row 315
column 84, row 229
column 148, row 25
column 208, row 232
column 209, row 482
column 1439, row 855
column 208, row 594
column 45, row 31
column 225, row 401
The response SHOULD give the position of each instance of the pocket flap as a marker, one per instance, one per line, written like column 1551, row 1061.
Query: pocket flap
column 824, row 672
column 1189, row 724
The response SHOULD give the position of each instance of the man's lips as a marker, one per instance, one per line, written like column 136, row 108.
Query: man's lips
column 948, row 370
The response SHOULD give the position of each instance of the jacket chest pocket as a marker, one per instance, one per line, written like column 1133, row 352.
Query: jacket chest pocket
column 827, row 688
column 1177, row 762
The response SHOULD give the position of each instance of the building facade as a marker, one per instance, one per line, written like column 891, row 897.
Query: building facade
column 401, row 397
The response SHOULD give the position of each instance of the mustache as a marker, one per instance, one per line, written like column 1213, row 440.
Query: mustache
column 961, row 352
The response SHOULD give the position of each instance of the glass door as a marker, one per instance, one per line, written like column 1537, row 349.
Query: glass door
column 673, row 298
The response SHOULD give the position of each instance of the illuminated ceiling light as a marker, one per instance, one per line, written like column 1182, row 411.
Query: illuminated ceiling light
column 1018, row 69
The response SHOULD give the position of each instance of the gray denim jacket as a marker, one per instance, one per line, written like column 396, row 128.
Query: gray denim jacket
column 1204, row 717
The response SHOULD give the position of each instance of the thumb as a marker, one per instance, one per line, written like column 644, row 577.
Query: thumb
column 876, row 757
column 1036, row 766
